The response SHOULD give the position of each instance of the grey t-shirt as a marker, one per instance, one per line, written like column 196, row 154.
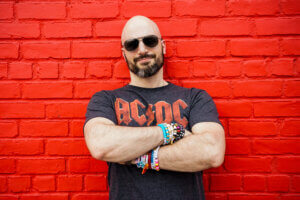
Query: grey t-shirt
column 139, row 107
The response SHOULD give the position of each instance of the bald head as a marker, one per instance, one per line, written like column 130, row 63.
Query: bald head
column 139, row 26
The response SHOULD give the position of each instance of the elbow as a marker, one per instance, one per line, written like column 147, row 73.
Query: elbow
column 217, row 158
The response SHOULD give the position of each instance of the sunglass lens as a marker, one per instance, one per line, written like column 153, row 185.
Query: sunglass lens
column 131, row 45
column 150, row 41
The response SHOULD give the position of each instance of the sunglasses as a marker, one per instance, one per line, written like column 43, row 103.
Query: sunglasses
column 149, row 41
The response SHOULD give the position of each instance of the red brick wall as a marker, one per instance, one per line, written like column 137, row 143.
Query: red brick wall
column 55, row 54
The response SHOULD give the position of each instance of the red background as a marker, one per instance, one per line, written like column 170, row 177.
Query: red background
column 55, row 55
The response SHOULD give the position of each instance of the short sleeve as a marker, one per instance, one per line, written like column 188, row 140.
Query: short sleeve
column 101, row 105
column 203, row 108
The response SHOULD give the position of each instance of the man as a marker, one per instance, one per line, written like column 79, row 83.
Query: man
column 132, row 128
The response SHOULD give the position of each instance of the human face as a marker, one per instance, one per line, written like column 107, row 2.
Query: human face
column 145, row 60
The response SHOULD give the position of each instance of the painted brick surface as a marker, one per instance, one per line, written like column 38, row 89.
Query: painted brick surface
column 54, row 55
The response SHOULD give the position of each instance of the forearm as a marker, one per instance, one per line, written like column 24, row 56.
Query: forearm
column 196, row 152
column 113, row 143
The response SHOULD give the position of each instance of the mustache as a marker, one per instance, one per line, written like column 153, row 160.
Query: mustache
column 143, row 56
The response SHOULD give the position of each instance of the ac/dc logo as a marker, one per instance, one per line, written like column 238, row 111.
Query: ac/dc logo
column 162, row 111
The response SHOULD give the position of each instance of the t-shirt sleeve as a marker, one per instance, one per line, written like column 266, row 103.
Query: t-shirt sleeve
column 101, row 105
column 203, row 108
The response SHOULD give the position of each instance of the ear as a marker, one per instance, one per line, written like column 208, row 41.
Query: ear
column 123, row 53
column 163, row 44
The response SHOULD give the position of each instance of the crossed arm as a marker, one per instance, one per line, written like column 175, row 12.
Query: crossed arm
column 202, row 149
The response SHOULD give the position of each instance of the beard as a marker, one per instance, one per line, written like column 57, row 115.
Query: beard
column 149, row 69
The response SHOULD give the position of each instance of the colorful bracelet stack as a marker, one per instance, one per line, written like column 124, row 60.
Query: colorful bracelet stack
column 172, row 132
column 148, row 161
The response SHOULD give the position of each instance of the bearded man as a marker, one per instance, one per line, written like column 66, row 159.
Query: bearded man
column 156, row 137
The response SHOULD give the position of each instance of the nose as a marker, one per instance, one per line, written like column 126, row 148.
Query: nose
column 142, row 49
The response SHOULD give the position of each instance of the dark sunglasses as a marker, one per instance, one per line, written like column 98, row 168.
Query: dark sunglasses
column 149, row 41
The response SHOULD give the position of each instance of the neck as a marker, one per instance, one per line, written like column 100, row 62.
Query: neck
column 154, row 81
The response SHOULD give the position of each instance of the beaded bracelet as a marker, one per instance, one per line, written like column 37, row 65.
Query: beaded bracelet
column 172, row 132
column 148, row 161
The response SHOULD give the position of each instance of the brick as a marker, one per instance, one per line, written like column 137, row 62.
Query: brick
column 290, row 197
column 290, row 127
column 20, row 70
column 214, row 196
column 9, row 197
column 19, row 183
column 257, row 88
column 45, row 196
column 73, row 69
column 253, row 196
column 8, row 129
column 254, row 183
column 3, row 70
column 47, row 69
column 225, row 182
column 237, row 146
column 291, row 88
column 178, row 69
column 229, row 68
column 201, row 48
column 66, row 110
column 178, row 27
column 281, row 67
column 121, row 70
column 69, row 183
column 148, row 9
column 254, row 68
column 95, row 183
column 276, row 109
column 234, row 108
column 87, row 89
column 41, row 10
column 34, row 50
column 272, row 146
column 38, row 128
column 295, row 183
column 29, row 110
column 43, row 183
column 99, row 69
column 91, row 196
column 290, row 46
column 200, row 8
column 6, row 10
column 101, row 49
column 19, row 30
column 288, row 164
column 273, row 26
column 21, row 147
column 278, row 183
column 257, row 7
column 11, row 50
column 3, row 184
column 9, row 90
column 297, row 66
column 94, row 10
column 225, row 27
column 7, row 166
column 252, row 128
column 290, row 6
column 202, row 68
column 66, row 147
column 67, row 29
column 86, row 165
column 76, row 128
column 248, row 164
column 41, row 165
column 214, row 88
column 254, row 47
column 109, row 28
column 42, row 90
